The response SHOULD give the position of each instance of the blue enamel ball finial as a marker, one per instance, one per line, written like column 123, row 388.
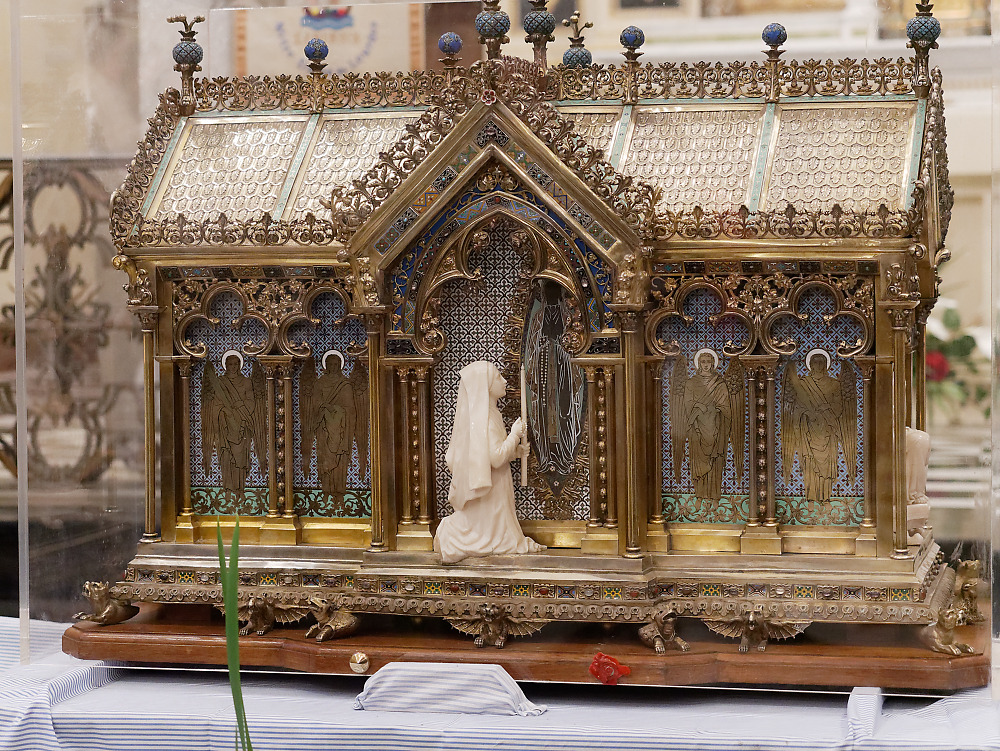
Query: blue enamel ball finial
column 316, row 50
column 450, row 43
column 492, row 25
column 774, row 35
column 632, row 37
column 539, row 22
column 188, row 53
column 923, row 29
column 577, row 57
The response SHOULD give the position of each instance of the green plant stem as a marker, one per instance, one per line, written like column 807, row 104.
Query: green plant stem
column 229, row 578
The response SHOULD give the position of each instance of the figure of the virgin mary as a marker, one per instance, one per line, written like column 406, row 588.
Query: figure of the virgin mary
column 482, row 489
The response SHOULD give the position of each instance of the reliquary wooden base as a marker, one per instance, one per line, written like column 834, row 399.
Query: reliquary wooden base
column 827, row 655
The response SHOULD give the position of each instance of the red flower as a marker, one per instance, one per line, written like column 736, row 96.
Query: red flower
column 938, row 366
column 608, row 670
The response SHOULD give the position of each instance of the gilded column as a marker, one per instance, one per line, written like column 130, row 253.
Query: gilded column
column 595, row 440
column 279, row 527
column 404, row 487
column 866, row 542
column 901, row 319
column 148, row 315
column 634, row 509
column 373, row 328
column 920, row 372
column 761, row 533
column 185, row 521
column 656, row 433
column 416, row 475
column 424, row 448
column 608, row 497
column 285, row 451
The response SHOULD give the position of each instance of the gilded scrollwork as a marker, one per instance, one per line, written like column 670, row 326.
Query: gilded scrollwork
column 671, row 294
column 126, row 201
column 736, row 80
column 850, row 296
column 789, row 222
column 277, row 304
column 901, row 282
column 634, row 202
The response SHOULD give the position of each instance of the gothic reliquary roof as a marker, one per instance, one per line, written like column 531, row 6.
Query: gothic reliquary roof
column 775, row 148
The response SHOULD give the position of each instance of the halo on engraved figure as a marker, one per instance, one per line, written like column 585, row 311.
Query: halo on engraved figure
column 706, row 351
column 817, row 351
column 336, row 352
column 232, row 353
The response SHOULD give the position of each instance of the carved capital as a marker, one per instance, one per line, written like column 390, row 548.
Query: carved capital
column 277, row 366
column 148, row 315
column 901, row 314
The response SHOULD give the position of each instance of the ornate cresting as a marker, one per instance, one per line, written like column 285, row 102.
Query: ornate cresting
column 712, row 375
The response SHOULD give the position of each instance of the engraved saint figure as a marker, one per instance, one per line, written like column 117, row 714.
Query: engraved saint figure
column 708, row 413
column 333, row 412
column 818, row 418
column 233, row 421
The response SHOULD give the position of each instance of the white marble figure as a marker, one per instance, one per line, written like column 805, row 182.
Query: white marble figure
column 918, row 452
column 482, row 489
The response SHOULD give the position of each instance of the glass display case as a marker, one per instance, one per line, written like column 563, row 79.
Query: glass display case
column 754, row 422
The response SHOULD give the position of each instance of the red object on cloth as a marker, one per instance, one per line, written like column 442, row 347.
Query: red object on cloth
column 607, row 669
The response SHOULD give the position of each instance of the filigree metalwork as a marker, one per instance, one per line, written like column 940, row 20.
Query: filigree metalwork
column 331, row 91
column 736, row 80
column 634, row 202
column 126, row 202
column 874, row 141
column 789, row 222
column 278, row 304
column 850, row 295
column 934, row 164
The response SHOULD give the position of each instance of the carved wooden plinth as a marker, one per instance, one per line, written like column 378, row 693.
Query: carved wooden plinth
column 827, row 655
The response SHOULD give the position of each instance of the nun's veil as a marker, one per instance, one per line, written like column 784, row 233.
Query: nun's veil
column 468, row 455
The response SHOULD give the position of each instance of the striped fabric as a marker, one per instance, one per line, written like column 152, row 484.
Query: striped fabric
column 451, row 687
column 63, row 703
column 44, row 637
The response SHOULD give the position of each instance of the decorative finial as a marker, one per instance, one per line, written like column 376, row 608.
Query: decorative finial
column 632, row 38
column 539, row 25
column 450, row 45
column 187, row 54
column 577, row 56
column 774, row 35
column 922, row 30
column 316, row 51
column 492, row 25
